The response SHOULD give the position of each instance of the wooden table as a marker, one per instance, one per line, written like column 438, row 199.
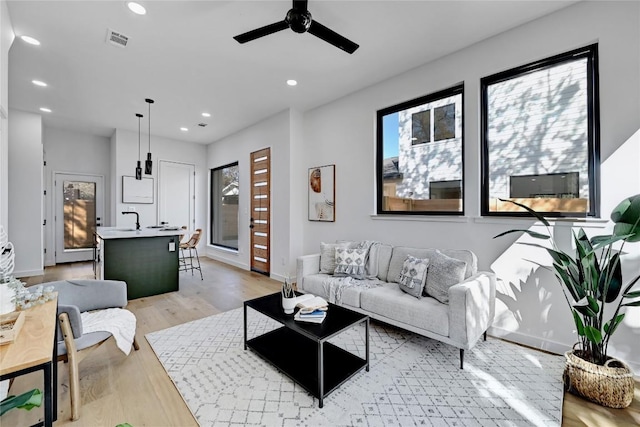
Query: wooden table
column 36, row 349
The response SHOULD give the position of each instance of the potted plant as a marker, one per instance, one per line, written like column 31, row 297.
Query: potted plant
column 289, row 300
column 592, row 283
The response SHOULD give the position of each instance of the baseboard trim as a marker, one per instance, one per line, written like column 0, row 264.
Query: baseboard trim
column 546, row 345
column 28, row 273
column 227, row 261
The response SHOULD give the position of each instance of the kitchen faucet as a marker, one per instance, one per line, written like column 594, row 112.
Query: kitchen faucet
column 137, row 218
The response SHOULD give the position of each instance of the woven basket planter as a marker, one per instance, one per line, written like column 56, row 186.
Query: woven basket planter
column 611, row 385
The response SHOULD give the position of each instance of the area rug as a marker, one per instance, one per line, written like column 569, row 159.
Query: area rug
column 412, row 381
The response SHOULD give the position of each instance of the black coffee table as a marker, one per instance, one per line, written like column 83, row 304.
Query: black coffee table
column 300, row 350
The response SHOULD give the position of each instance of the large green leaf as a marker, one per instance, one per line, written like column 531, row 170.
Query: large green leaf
column 565, row 278
column 593, row 334
column 586, row 307
column 610, row 282
column 633, row 294
column 627, row 218
column 610, row 327
column 628, row 232
column 583, row 245
column 632, row 304
column 607, row 239
column 578, row 321
column 28, row 401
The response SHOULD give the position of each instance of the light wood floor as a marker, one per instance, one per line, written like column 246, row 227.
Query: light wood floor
column 136, row 389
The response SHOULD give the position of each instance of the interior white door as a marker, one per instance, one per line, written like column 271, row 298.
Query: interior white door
column 79, row 210
column 176, row 195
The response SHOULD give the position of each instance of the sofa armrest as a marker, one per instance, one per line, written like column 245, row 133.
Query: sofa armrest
column 305, row 266
column 472, row 308
column 75, row 321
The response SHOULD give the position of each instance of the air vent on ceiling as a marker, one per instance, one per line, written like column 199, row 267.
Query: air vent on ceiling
column 202, row 124
column 116, row 38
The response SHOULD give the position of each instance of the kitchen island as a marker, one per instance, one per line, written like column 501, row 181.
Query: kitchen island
column 147, row 259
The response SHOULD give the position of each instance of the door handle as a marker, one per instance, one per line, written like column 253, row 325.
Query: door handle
column 251, row 226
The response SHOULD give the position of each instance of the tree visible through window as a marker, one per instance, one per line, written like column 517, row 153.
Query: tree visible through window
column 540, row 136
column 224, row 206
column 419, row 148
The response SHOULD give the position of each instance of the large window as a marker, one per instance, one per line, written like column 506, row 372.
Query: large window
column 419, row 155
column 540, row 137
column 224, row 206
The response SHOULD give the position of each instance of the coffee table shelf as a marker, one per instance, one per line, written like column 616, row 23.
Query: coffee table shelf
column 301, row 351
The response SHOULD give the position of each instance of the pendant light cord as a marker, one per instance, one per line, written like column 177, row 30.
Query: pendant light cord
column 149, row 127
column 139, row 117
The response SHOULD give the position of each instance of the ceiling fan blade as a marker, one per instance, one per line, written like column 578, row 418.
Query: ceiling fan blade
column 300, row 5
column 330, row 36
column 261, row 32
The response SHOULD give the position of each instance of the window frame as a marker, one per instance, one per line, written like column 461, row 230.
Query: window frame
column 457, row 89
column 590, row 53
column 211, row 207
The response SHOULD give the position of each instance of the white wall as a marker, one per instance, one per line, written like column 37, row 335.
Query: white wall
column 275, row 133
column 72, row 152
column 25, row 193
column 6, row 39
column 124, row 152
column 343, row 133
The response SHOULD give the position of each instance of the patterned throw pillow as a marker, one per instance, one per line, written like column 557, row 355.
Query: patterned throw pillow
column 328, row 256
column 413, row 275
column 351, row 262
column 444, row 272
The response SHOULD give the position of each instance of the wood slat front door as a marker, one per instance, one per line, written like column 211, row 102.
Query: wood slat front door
column 260, row 217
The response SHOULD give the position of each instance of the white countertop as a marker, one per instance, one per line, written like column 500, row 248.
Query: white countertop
column 130, row 232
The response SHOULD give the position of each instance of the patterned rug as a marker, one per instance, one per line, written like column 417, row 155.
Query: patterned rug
column 413, row 380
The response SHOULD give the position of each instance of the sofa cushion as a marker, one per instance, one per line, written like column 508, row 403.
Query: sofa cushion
column 464, row 255
column 320, row 285
column 443, row 273
column 413, row 276
column 328, row 256
column 384, row 256
column 351, row 262
column 389, row 301
column 400, row 253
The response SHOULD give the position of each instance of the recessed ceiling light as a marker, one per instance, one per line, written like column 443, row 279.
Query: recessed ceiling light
column 136, row 8
column 184, row 129
column 39, row 83
column 30, row 40
column 206, row 115
column 292, row 82
column 46, row 110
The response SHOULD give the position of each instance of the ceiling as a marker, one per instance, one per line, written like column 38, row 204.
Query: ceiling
column 182, row 55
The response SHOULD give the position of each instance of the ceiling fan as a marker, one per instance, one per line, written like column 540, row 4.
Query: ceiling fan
column 299, row 20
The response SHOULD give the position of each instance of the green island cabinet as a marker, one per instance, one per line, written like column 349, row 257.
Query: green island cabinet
column 146, row 259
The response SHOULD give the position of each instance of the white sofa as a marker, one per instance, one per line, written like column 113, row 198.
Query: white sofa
column 460, row 322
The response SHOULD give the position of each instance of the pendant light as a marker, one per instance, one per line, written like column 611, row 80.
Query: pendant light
column 148, row 164
column 138, row 167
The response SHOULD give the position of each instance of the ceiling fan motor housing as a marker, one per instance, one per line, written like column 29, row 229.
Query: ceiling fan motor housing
column 299, row 20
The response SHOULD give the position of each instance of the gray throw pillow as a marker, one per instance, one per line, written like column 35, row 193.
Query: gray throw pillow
column 328, row 256
column 413, row 275
column 443, row 273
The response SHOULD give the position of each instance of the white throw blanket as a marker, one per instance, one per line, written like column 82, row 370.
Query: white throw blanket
column 118, row 322
column 334, row 286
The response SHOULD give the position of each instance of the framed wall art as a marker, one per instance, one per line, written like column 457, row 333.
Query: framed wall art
column 137, row 190
column 322, row 193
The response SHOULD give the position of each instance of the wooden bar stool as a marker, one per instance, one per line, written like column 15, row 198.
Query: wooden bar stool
column 191, row 245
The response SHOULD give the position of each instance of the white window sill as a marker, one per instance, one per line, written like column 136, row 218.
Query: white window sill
column 225, row 250
column 420, row 218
